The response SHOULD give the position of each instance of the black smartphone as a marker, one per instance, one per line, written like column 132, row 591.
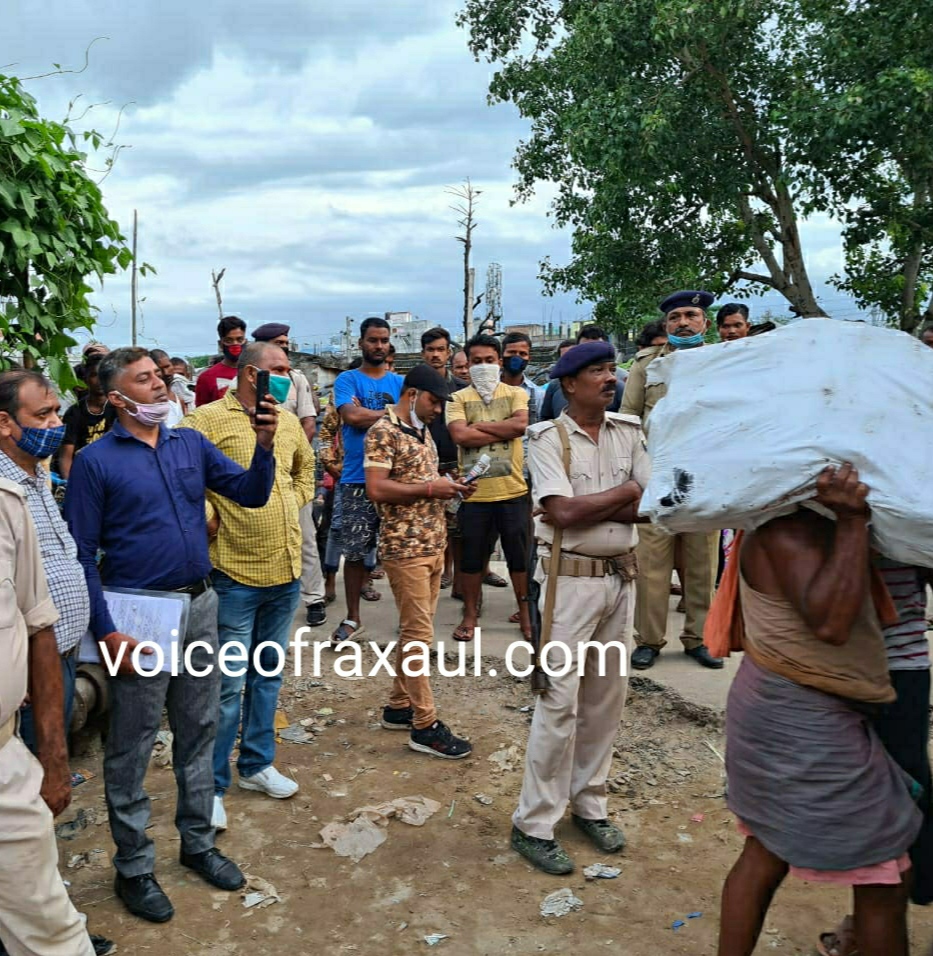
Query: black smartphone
column 262, row 389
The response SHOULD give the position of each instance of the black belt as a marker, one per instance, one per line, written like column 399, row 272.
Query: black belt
column 195, row 589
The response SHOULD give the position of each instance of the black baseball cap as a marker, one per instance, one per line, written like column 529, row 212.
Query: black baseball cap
column 427, row 379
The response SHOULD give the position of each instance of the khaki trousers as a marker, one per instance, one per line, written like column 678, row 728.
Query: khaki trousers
column 416, row 584
column 36, row 916
column 655, row 566
column 577, row 718
column 312, row 577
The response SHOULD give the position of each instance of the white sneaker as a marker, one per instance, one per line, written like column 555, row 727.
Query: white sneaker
column 219, row 815
column 271, row 783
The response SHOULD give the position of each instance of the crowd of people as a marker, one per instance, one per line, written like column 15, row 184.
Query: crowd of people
column 228, row 490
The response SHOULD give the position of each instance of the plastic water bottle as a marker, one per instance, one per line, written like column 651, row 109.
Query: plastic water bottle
column 480, row 467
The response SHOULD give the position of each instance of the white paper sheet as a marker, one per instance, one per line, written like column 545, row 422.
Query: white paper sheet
column 156, row 616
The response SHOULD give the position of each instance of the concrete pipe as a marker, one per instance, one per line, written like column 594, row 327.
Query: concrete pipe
column 92, row 695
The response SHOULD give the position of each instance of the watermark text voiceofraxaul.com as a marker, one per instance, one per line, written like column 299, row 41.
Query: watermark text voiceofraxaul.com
column 318, row 658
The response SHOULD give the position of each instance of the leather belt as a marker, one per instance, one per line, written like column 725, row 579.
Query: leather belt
column 578, row 566
column 195, row 589
column 7, row 731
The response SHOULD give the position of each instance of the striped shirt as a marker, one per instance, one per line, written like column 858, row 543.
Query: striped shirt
column 65, row 575
column 906, row 642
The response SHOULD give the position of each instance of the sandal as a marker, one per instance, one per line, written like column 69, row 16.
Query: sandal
column 495, row 581
column 330, row 598
column 347, row 631
column 446, row 581
column 369, row 593
column 377, row 574
column 462, row 633
column 516, row 618
column 840, row 942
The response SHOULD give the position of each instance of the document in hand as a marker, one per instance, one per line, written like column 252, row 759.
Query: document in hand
column 746, row 428
column 159, row 617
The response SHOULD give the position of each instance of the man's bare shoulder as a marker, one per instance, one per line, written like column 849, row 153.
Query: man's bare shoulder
column 801, row 527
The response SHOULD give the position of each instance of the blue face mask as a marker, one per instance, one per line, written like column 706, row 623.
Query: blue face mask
column 40, row 442
column 685, row 342
column 515, row 364
column 279, row 386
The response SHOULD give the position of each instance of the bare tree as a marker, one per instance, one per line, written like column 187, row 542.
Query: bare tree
column 464, row 208
column 215, row 281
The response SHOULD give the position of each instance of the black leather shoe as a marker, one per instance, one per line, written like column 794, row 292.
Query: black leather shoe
column 215, row 868
column 644, row 657
column 702, row 656
column 144, row 898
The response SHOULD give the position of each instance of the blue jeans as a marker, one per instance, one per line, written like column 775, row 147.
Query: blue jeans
column 250, row 616
column 27, row 725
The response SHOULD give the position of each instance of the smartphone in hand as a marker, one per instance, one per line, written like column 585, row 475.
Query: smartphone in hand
column 262, row 390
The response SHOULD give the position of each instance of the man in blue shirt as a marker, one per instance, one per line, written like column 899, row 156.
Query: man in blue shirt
column 361, row 397
column 555, row 401
column 141, row 483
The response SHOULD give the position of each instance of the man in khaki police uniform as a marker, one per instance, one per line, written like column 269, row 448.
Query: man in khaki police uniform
column 36, row 916
column 685, row 317
column 588, row 469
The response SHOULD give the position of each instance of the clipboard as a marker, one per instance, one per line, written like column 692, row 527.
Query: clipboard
column 157, row 616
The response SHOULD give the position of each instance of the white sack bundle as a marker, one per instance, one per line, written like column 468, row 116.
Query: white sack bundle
column 747, row 426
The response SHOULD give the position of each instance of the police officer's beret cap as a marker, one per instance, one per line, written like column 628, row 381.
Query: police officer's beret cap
column 270, row 331
column 582, row 355
column 685, row 297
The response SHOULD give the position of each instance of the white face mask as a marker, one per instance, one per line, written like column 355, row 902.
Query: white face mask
column 485, row 379
column 416, row 422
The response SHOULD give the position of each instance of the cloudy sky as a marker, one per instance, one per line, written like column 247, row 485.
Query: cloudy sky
column 306, row 147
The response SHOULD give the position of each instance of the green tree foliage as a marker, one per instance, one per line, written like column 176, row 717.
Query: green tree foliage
column 55, row 234
column 871, row 153
column 688, row 138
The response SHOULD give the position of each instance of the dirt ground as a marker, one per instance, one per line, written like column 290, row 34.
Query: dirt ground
column 456, row 875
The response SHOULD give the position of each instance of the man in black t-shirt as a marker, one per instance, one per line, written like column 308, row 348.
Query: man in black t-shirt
column 89, row 418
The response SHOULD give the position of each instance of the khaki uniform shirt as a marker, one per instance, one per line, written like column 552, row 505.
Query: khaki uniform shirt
column 258, row 547
column 300, row 401
column 618, row 456
column 25, row 605
column 640, row 398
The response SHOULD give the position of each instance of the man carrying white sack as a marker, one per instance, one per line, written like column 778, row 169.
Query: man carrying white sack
column 686, row 322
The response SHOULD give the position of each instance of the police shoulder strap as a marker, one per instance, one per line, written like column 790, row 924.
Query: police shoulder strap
column 550, row 595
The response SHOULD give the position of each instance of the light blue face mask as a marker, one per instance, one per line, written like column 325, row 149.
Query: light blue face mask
column 686, row 341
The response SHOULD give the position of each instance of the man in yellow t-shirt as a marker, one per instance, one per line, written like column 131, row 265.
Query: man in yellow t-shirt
column 489, row 417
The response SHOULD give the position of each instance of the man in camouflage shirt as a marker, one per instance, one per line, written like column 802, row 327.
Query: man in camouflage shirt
column 402, row 480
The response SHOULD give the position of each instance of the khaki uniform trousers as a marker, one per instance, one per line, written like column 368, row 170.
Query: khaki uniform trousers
column 655, row 565
column 312, row 577
column 577, row 719
column 36, row 916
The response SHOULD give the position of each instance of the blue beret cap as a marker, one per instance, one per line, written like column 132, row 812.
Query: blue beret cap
column 582, row 355
column 685, row 297
column 270, row 331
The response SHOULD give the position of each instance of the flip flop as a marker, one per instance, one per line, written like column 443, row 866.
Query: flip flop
column 377, row 574
column 330, row 598
column 840, row 942
column 369, row 593
column 446, row 581
column 495, row 581
column 516, row 618
column 462, row 633
column 347, row 631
